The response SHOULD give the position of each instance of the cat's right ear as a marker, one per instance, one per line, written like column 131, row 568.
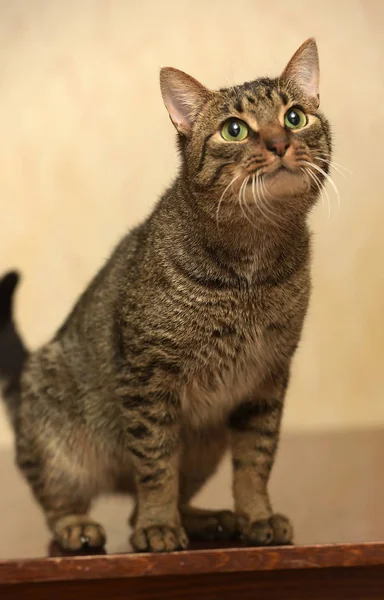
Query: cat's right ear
column 303, row 70
column 183, row 96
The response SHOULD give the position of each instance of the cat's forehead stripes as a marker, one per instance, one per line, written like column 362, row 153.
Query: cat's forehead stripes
column 266, row 91
column 266, row 96
column 256, row 102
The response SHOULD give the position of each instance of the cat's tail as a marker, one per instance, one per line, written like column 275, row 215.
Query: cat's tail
column 12, row 350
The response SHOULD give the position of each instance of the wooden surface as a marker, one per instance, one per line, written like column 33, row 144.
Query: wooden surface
column 354, row 571
column 195, row 562
column 334, row 584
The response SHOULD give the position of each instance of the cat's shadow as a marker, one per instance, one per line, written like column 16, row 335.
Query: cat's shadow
column 54, row 551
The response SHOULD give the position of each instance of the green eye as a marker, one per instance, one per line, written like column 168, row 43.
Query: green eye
column 295, row 118
column 234, row 130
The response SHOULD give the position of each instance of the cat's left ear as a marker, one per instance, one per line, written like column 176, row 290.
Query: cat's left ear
column 183, row 96
column 303, row 70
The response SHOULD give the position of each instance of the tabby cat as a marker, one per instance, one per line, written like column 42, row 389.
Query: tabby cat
column 181, row 345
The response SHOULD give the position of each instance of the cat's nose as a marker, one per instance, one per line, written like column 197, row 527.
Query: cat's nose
column 277, row 146
column 276, row 139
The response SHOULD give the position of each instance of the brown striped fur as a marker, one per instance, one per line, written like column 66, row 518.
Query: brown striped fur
column 181, row 346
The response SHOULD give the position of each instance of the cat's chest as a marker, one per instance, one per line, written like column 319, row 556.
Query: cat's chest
column 231, row 374
column 235, row 350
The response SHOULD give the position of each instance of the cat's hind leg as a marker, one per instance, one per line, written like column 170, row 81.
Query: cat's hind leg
column 63, row 491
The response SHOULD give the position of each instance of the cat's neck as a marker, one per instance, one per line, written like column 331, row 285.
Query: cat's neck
column 236, row 243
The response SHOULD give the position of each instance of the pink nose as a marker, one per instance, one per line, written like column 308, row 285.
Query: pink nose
column 277, row 146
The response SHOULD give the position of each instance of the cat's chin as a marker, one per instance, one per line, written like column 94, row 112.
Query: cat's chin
column 281, row 183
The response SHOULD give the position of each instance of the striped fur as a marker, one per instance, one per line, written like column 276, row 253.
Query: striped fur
column 181, row 346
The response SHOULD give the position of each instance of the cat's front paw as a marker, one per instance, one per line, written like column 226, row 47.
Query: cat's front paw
column 159, row 538
column 282, row 530
column 77, row 533
column 275, row 531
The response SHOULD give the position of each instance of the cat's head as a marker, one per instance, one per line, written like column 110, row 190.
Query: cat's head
column 256, row 144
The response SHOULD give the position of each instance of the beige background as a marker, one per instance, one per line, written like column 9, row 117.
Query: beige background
column 86, row 147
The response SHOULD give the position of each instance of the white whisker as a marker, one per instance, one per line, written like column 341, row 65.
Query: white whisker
column 276, row 218
column 328, row 178
column 255, row 198
column 333, row 166
column 222, row 198
column 323, row 191
column 331, row 161
column 263, row 203
column 241, row 196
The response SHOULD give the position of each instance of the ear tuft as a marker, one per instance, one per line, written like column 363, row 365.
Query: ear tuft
column 303, row 69
column 183, row 97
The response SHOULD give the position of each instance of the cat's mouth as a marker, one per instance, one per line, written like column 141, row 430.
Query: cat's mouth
column 280, row 170
column 281, row 181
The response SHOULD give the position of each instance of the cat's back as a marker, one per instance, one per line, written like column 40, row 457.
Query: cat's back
column 82, row 347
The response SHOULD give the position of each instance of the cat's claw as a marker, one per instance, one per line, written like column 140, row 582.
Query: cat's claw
column 282, row 530
column 162, row 538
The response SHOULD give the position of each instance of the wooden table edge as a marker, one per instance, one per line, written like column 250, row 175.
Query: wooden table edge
column 191, row 562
